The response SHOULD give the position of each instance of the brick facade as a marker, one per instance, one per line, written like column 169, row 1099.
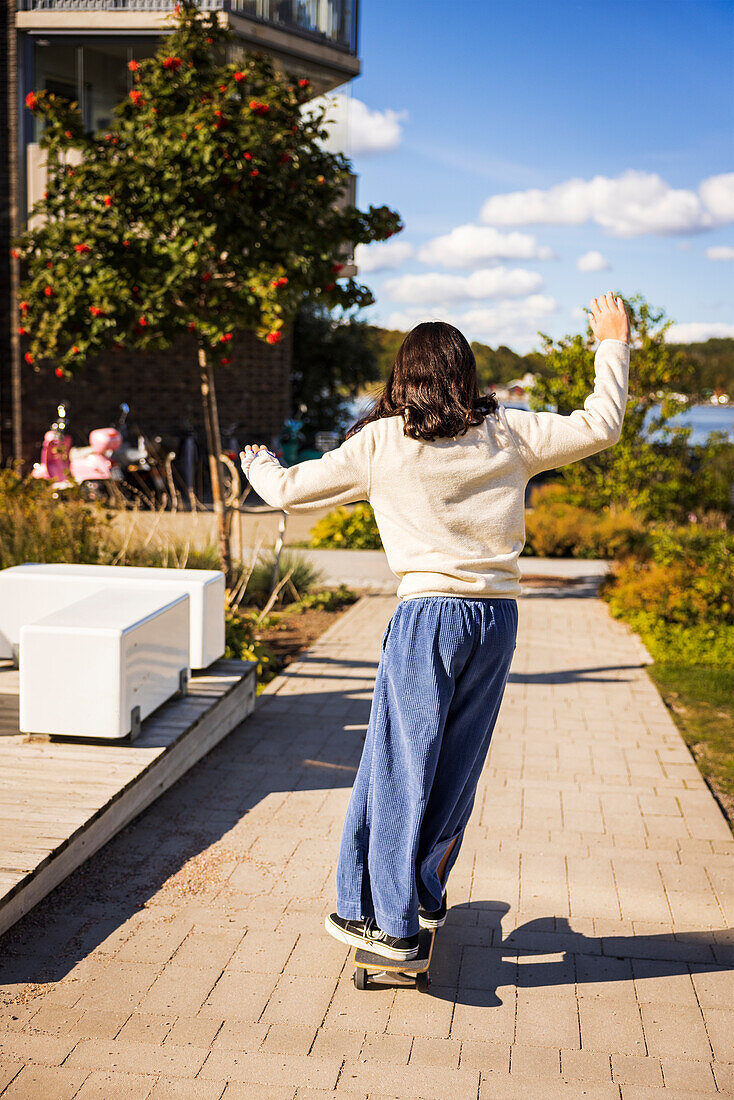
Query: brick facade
column 162, row 390
column 9, row 351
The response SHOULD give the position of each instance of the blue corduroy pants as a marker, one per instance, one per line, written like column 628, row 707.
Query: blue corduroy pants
column 443, row 667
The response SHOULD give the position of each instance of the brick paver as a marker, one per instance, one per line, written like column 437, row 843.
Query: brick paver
column 586, row 952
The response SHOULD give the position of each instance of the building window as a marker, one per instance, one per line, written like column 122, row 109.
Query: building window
column 56, row 71
column 104, row 82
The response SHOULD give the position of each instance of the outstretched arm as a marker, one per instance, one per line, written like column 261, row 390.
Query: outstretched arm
column 546, row 440
column 341, row 476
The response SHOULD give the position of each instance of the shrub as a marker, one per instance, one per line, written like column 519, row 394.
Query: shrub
column 37, row 524
column 686, row 578
column 242, row 643
column 347, row 530
column 679, row 596
column 558, row 526
column 304, row 577
column 329, row 599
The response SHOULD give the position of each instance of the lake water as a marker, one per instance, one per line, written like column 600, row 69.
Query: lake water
column 704, row 419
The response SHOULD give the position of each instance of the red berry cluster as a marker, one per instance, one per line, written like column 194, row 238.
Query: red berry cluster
column 31, row 101
column 82, row 248
column 137, row 98
column 273, row 337
column 282, row 281
column 258, row 107
column 97, row 311
column 172, row 63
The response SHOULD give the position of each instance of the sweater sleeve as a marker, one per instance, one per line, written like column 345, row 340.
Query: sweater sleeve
column 546, row 440
column 341, row 476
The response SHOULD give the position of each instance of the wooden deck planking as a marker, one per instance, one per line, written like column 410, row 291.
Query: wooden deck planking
column 61, row 800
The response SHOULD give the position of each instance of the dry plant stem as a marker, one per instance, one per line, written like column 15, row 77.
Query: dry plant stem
column 235, row 594
column 274, row 596
column 213, row 435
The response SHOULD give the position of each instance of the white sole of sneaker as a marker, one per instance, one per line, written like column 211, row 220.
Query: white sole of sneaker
column 366, row 944
column 431, row 925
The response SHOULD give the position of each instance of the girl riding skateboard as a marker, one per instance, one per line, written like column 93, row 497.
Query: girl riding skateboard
column 445, row 470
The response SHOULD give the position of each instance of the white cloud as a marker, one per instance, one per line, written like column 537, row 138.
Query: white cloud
column 692, row 332
column 514, row 323
column 717, row 193
column 720, row 252
column 382, row 256
column 593, row 261
column 579, row 313
column 470, row 245
column 355, row 129
column 629, row 205
column 435, row 288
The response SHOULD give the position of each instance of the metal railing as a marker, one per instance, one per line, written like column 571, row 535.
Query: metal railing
column 333, row 20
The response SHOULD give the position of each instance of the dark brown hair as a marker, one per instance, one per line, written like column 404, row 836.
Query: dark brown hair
column 433, row 384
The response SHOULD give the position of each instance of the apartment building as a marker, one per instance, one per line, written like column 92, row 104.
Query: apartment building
column 80, row 49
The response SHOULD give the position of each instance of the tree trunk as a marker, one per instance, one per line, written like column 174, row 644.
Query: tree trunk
column 214, row 444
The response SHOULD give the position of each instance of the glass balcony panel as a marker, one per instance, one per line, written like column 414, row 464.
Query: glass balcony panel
column 334, row 20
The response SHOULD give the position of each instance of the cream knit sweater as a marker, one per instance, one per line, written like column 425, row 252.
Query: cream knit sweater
column 451, row 512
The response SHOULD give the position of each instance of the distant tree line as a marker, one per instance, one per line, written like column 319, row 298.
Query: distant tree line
column 711, row 367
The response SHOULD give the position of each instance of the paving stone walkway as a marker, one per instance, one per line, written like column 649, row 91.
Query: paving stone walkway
column 585, row 952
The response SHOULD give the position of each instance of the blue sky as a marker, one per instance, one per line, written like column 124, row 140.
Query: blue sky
column 460, row 103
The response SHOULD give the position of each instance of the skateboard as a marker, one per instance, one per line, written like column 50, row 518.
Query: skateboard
column 377, row 970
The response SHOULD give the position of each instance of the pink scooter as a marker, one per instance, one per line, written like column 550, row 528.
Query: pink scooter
column 91, row 467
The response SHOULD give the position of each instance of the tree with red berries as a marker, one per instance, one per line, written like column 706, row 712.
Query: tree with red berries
column 209, row 206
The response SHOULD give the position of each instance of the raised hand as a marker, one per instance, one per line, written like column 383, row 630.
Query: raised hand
column 247, row 455
column 608, row 318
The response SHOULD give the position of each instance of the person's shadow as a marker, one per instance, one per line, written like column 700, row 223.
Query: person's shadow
column 473, row 959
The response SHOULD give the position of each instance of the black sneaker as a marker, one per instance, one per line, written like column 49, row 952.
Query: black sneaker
column 366, row 934
column 433, row 918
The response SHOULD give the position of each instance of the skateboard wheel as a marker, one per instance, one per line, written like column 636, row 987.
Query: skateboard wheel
column 360, row 978
column 422, row 981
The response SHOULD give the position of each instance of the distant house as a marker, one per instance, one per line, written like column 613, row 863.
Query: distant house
column 81, row 49
column 519, row 388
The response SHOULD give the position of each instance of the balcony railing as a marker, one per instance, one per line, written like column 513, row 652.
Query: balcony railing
column 332, row 20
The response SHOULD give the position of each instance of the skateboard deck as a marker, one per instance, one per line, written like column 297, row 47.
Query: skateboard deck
column 399, row 972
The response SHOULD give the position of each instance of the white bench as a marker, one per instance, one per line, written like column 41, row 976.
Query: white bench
column 98, row 667
column 30, row 591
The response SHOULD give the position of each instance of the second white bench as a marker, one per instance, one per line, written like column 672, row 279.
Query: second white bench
column 32, row 590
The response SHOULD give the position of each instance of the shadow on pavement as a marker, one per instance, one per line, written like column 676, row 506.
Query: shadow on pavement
column 173, row 848
column 472, row 962
column 573, row 675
